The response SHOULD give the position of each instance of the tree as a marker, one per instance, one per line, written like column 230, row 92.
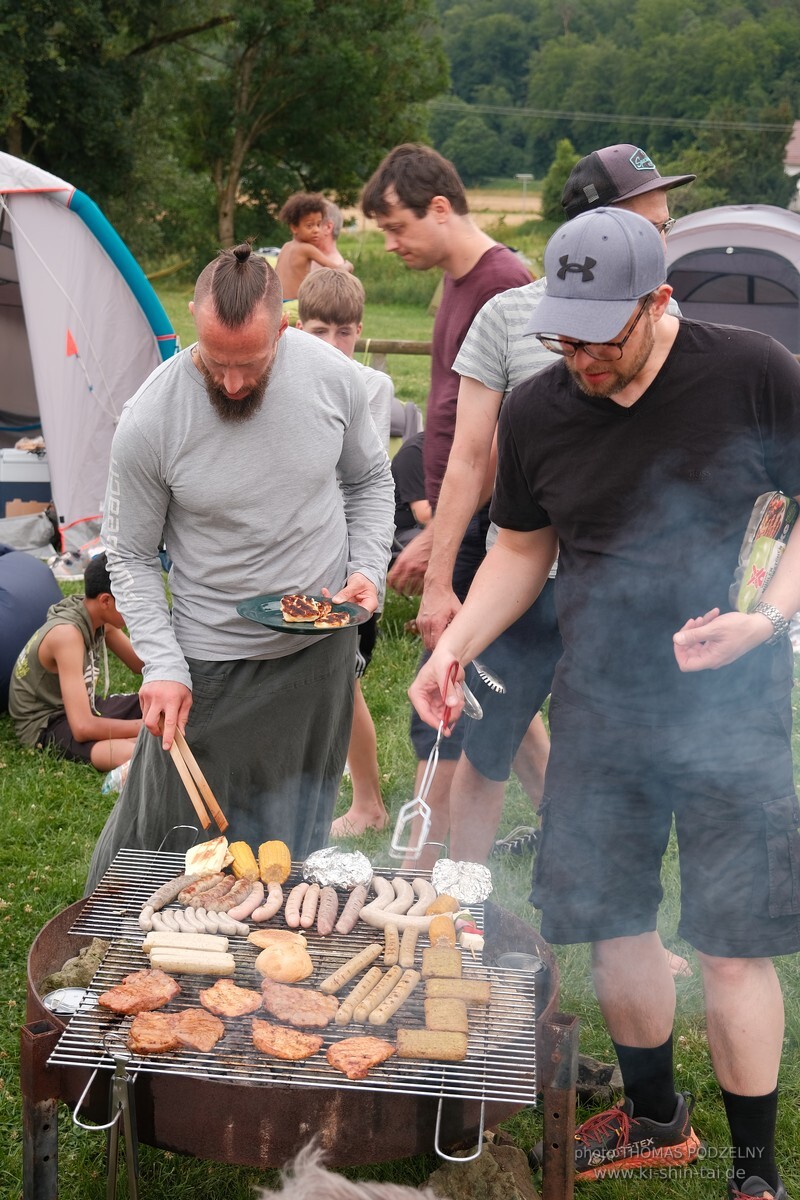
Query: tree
column 474, row 149
column 308, row 95
column 554, row 180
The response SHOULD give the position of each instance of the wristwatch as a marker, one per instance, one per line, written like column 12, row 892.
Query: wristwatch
column 779, row 622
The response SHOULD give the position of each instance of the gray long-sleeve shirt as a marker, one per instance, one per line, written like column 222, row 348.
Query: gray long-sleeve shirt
column 295, row 499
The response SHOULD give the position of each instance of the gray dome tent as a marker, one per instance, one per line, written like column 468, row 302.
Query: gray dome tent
column 739, row 264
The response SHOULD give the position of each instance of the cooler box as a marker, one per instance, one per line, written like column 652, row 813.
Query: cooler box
column 24, row 476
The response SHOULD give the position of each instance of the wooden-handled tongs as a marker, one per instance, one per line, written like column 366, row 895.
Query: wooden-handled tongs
column 193, row 778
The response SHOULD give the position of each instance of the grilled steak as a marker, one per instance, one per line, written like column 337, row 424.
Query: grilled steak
column 190, row 1029
column 298, row 1006
column 227, row 999
column 281, row 1042
column 356, row 1056
column 142, row 991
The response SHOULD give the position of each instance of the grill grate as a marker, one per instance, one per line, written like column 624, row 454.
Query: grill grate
column 501, row 1059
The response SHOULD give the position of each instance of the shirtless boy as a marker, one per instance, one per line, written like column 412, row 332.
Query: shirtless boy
column 304, row 213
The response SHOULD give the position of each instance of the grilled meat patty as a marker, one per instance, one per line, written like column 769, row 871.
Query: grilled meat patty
column 227, row 999
column 356, row 1056
column 141, row 991
column 190, row 1029
column 298, row 1006
column 285, row 1043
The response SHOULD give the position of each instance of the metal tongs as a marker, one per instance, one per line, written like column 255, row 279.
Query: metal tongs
column 418, row 808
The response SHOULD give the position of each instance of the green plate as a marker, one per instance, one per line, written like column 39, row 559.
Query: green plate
column 266, row 610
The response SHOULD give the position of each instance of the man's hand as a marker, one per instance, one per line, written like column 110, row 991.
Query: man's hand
column 167, row 701
column 357, row 590
column 712, row 641
column 407, row 576
column 438, row 607
column 431, row 691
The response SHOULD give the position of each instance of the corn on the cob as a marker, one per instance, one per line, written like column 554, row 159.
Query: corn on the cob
column 244, row 865
column 274, row 862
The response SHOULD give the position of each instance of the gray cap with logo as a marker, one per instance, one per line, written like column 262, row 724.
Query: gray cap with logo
column 612, row 174
column 597, row 266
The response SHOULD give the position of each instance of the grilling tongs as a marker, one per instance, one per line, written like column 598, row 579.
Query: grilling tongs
column 418, row 807
column 193, row 778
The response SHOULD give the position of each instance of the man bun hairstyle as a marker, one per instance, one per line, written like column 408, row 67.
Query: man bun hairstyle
column 335, row 297
column 237, row 282
column 302, row 204
column 96, row 580
column 417, row 174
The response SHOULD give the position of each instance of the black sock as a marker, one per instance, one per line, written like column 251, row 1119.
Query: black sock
column 648, row 1079
column 752, row 1120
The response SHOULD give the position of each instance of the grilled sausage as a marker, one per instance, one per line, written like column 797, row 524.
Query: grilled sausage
column 398, row 996
column 344, row 1013
column 203, row 883
column 272, row 904
column 357, row 900
column 209, row 898
column 391, row 939
column 350, row 969
column 327, row 910
column 249, row 905
column 235, row 896
column 408, row 946
column 309, row 909
column 168, row 892
column 294, row 904
column 378, row 993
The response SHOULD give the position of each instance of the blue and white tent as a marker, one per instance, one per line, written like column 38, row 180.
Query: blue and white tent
column 80, row 329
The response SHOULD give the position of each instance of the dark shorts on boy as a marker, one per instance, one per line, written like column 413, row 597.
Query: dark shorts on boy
column 611, row 790
column 57, row 733
column 524, row 658
column 471, row 554
column 367, row 637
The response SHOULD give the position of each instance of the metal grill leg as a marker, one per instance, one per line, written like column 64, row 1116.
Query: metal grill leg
column 561, row 1067
column 39, row 1113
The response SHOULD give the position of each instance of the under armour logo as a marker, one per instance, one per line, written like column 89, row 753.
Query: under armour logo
column 585, row 268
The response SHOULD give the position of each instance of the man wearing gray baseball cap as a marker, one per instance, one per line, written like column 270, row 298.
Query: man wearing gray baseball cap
column 640, row 454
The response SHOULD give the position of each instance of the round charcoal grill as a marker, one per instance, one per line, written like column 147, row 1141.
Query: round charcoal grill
column 221, row 1113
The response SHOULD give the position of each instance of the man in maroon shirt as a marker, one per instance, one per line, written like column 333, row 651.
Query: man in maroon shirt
column 419, row 202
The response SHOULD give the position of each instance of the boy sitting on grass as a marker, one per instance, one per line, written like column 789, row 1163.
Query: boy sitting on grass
column 331, row 306
column 52, row 697
column 303, row 213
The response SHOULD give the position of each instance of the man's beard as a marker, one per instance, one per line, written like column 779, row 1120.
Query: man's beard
column 622, row 378
column 235, row 410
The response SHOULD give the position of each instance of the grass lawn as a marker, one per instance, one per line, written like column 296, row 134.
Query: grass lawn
column 53, row 811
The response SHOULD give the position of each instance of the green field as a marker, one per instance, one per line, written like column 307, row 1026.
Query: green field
column 52, row 812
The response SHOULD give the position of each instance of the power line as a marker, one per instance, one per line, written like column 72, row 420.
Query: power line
column 615, row 118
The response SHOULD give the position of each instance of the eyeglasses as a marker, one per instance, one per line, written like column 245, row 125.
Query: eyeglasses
column 664, row 226
column 602, row 351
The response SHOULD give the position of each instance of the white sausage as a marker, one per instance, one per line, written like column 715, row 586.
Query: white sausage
column 293, row 904
column 404, row 896
column 240, row 912
column 310, row 902
column 427, row 894
column 384, row 892
column 272, row 905
column 378, row 919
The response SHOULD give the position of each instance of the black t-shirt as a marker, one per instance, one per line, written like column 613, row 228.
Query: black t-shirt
column 409, row 481
column 650, row 504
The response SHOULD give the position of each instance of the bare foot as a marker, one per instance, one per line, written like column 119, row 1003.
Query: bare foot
column 354, row 823
column 677, row 965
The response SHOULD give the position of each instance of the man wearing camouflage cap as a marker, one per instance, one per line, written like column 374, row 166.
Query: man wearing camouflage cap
column 640, row 454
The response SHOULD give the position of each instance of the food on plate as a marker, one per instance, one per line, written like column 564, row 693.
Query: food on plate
column 201, row 883
column 447, row 1015
column 268, row 937
column 377, row 995
column 396, row 998
column 442, row 931
column 441, row 961
column 190, row 1029
column 332, row 620
column 141, row 991
column 308, row 911
column 443, row 904
column 354, row 966
column 192, row 962
column 281, row 1042
column 297, row 607
column 284, row 962
column 272, row 905
column 408, row 946
column 227, row 999
column 274, row 862
column 185, row 941
column 473, row 991
column 349, row 916
column 431, row 1043
column 294, row 904
column 298, row 1006
column 348, row 1006
column 327, row 911
column 209, row 856
column 250, row 903
column 391, row 944
column 244, row 865
column 356, row 1056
